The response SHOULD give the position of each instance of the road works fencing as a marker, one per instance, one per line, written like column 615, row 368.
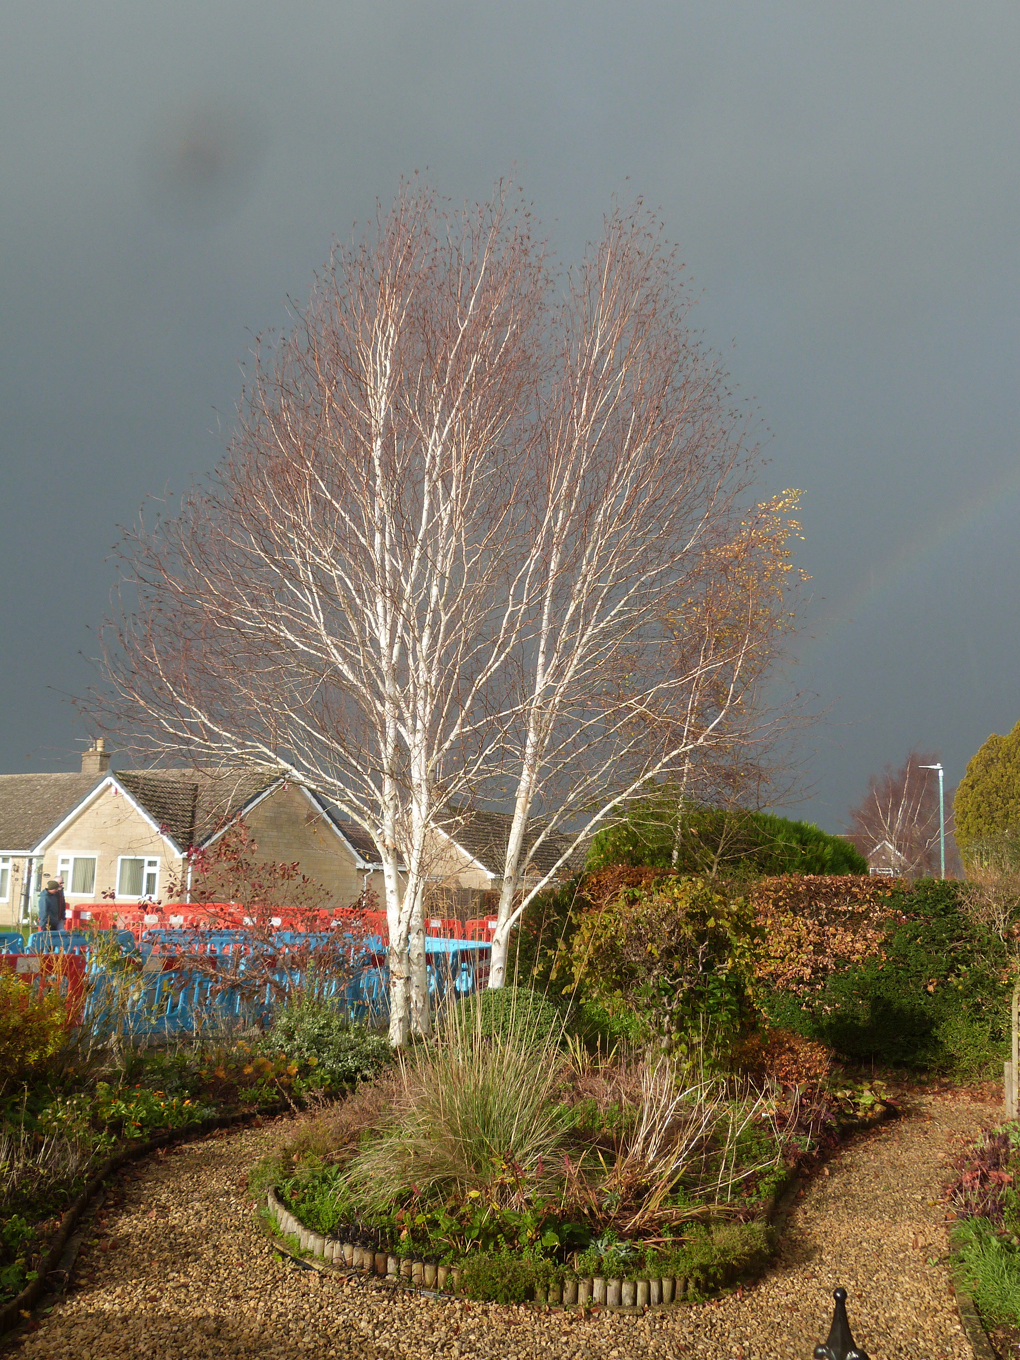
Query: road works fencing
column 177, row 981
column 230, row 916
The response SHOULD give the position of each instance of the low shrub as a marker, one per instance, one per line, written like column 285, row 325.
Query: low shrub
column 505, row 1014
column 785, row 1057
column 31, row 1027
column 986, row 1235
column 710, row 1258
column 672, row 953
column 337, row 1053
column 507, row 1277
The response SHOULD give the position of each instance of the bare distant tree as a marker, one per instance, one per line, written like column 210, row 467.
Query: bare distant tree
column 471, row 540
column 897, row 822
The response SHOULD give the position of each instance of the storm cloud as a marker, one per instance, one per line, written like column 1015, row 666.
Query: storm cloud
column 842, row 182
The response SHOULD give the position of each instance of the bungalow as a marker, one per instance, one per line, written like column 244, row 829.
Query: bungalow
column 124, row 836
column 472, row 859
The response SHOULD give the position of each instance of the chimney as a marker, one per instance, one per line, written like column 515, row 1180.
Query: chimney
column 96, row 760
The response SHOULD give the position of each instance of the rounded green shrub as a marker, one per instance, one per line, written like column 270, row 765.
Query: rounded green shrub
column 340, row 1053
column 507, row 1013
column 664, row 832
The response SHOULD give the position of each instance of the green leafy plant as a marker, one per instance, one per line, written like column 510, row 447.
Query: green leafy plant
column 514, row 1014
column 674, row 953
column 335, row 1053
column 137, row 1111
column 665, row 831
column 925, row 988
column 32, row 1021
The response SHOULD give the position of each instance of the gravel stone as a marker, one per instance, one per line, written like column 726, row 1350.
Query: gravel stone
column 192, row 1274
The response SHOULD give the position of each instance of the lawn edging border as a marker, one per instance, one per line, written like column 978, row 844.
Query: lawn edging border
column 970, row 1319
column 16, row 1310
column 385, row 1267
column 315, row 1251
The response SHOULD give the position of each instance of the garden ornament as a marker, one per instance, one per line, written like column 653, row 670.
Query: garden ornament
column 840, row 1345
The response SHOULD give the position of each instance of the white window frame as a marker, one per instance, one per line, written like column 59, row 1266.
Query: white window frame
column 6, row 869
column 150, row 866
column 67, row 874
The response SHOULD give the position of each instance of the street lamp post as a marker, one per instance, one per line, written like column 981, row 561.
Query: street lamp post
column 942, row 814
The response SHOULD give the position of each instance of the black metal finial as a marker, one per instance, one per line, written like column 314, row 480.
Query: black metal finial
column 840, row 1345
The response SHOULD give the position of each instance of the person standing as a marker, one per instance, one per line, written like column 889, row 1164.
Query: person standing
column 52, row 907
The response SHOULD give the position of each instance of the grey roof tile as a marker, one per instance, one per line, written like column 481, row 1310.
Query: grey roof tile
column 357, row 837
column 192, row 805
column 31, row 805
column 484, row 835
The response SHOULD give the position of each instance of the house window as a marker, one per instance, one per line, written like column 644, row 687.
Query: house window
column 137, row 877
column 78, row 873
column 5, row 879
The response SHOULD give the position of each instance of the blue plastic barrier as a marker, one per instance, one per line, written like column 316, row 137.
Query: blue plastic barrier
column 170, row 994
column 76, row 941
column 11, row 942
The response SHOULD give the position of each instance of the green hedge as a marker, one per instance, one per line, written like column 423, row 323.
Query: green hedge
column 662, row 833
column 935, row 998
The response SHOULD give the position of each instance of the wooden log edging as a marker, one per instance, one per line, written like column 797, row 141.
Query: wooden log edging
column 385, row 1267
column 584, row 1292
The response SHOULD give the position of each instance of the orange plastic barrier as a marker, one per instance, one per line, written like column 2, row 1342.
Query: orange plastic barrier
column 230, row 916
column 65, row 972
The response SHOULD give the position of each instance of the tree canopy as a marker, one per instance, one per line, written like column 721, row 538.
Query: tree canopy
column 483, row 533
column 987, row 803
column 663, row 832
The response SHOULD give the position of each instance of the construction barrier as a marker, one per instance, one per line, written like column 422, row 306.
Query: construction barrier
column 45, row 972
column 181, row 981
column 230, row 916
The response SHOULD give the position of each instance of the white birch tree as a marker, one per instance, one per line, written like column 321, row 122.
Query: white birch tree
column 324, row 606
column 471, row 537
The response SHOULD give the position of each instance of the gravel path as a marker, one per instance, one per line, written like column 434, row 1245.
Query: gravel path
column 182, row 1271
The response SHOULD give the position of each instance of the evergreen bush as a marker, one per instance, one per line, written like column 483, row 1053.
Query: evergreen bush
column 505, row 1013
column 341, row 1054
column 664, row 832
column 934, row 995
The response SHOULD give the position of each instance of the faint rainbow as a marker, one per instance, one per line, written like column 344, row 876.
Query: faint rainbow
column 917, row 551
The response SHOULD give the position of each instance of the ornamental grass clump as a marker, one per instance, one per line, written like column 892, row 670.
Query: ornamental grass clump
column 474, row 1118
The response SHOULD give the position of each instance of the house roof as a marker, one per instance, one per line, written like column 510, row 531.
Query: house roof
column 484, row 836
column 191, row 805
column 32, row 805
column 356, row 837
column 188, row 806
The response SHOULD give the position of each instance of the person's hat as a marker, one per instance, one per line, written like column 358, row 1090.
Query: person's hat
column 52, row 884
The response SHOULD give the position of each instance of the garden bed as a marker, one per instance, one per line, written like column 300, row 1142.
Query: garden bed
column 92, row 1106
column 984, row 1212
column 509, row 1167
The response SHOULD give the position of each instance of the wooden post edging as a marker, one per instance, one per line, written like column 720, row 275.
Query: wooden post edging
column 624, row 1295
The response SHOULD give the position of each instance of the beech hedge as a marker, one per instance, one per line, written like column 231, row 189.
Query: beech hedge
column 878, row 970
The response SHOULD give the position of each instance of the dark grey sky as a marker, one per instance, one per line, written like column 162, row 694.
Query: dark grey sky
column 843, row 184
